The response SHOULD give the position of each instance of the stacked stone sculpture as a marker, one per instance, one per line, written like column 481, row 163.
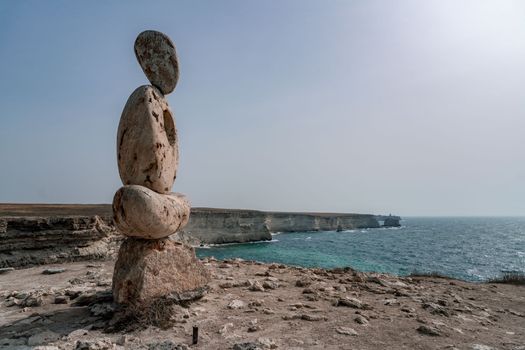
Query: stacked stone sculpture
column 151, row 266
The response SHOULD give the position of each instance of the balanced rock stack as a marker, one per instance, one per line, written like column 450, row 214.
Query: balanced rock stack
column 151, row 266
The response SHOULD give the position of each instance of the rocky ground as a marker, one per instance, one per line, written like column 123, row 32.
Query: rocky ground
column 261, row 306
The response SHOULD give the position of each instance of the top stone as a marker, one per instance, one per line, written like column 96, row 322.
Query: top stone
column 157, row 57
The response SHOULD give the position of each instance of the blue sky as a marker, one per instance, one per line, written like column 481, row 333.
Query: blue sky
column 409, row 107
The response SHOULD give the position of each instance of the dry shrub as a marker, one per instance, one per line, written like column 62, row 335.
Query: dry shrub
column 510, row 277
column 433, row 274
column 161, row 313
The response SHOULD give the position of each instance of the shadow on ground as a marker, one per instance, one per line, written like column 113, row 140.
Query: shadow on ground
column 43, row 328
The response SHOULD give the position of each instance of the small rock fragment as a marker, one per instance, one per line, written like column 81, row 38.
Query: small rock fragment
column 60, row 299
column 303, row 282
column 33, row 301
column 428, row 330
column 53, row 270
column 226, row 285
column 350, row 302
column 270, row 285
column 361, row 320
column 481, row 347
column 256, row 286
column 346, row 331
column 247, row 346
column 20, row 295
column 311, row 297
column 268, row 311
column 236, row 304
column 436, row 309
column 103, row 344
column 225, row 328
column 77, row 333
column 167, row 345
column 267, row 343
column 254, row 326
column 407, row 309
column 292, row 317
column 308, row 317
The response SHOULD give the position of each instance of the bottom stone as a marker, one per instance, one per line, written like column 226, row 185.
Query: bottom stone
column 147, row 270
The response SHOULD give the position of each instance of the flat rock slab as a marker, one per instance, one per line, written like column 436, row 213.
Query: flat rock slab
column 147, row 270
column 158, row 59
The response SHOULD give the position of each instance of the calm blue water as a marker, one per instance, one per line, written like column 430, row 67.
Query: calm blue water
column 473, row 249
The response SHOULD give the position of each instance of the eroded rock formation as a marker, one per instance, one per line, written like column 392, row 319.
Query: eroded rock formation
column 26, row 241
column 40, row 234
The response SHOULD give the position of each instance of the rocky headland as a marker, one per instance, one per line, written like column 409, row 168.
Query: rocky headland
column 32, row 234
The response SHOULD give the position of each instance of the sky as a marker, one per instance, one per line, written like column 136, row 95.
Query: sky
column 403, row 107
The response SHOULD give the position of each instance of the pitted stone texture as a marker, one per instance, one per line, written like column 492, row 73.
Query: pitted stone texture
column 158, row 58
column 141, row 212
column 152, row 269
column 147, row 144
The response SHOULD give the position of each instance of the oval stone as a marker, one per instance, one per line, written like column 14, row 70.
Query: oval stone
column 158, row 58
column 141, row 212
column 147, row 145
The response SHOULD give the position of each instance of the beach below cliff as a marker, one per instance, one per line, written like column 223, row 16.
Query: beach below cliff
column 253, row 305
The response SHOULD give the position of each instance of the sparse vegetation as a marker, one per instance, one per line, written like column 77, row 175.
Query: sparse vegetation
column 161, row 313
column 434, row 274
column 510, row 277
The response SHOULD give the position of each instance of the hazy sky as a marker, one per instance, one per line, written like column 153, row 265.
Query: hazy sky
column 410, row 107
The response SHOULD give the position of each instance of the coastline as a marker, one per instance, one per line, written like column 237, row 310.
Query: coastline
column 32, row 234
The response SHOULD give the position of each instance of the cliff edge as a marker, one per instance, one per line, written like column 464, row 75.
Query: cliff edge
column 32, row 234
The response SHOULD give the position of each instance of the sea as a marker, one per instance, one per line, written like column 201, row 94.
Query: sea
column 467, row 248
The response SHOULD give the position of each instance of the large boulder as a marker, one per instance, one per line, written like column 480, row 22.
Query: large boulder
column 147, row 145
column 141, row 212
column 149, row 270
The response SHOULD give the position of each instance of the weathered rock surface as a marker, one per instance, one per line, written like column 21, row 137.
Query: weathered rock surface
column 299, row 222
column 157, row 269
column 158, row 58
column 26, row 241
column 217, row 226
column 147, row 147
column 32, row 234
column 141, row 212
